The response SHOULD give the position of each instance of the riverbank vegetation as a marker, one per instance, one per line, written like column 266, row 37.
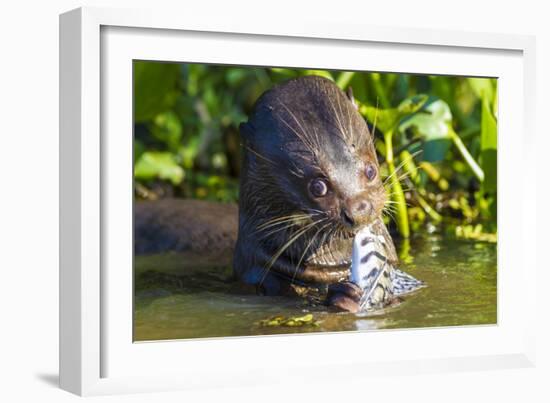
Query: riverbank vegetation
column 436, row 137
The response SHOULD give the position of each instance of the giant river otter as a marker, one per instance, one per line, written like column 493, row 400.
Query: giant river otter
column 310, row 181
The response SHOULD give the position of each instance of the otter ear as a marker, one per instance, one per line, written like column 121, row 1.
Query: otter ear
column 246, row 130
column 349, row 93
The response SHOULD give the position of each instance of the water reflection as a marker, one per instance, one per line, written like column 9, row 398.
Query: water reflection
column 186, row 296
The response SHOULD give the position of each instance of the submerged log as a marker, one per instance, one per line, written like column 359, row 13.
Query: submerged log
column 185, row 225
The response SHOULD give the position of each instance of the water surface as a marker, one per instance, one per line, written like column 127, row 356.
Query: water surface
column 185, row 296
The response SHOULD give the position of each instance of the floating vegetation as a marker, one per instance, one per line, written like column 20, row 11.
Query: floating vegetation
column 475, row 232
column 296, row 321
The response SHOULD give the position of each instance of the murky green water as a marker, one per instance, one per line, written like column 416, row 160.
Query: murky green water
column 183, row 296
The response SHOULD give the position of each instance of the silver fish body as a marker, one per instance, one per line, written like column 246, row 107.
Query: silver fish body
column 371, row 270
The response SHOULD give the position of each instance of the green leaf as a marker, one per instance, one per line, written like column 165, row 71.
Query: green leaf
column 189, row 152
column 235, row 76
column 139, row 149
column 321, row 73
column 360, row 87
column 155, row 88
column 167, row 128
column 443, row 88
column 432, row 123
column 344, row 79
column 488, row 147
column 158, row 165
column 387, row 119
column 290, row 73
column 413, row 104
column 488, row 127
column 484, row 88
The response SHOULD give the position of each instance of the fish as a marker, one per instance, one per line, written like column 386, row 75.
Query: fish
column 371, row 270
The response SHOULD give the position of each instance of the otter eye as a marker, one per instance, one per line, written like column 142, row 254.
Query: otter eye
column 370, row 171
column 318, row 187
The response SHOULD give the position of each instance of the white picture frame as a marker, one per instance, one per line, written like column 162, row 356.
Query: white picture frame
column 96, row 354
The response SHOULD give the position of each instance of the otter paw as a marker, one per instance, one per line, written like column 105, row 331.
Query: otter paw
column 344, row 296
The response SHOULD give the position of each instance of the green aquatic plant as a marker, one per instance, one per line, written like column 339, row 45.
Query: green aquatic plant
column 436, row 136
column 425, row 123
column 294, row 321
column 388, row 121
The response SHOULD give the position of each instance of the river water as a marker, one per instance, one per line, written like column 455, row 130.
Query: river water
column 182, row 296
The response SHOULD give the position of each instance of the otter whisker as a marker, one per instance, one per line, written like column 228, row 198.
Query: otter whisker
column 281, row 250
column 404, row 175
column 391, row 214
column 347, row 134
column 316, row 211
column 398, row 203
column 371, row 136
column 272, row 232
column 316, row 138
column 283, row 219
column 324, row 238
column 385, row 183
column 350, row 121
column 399, row 167
column 389, row 192
column 289, row 224
column 392, row 194
column 332, row 235
column 306, row 249
column 402, row 164
column 337, row 234
column 390, row 206
column 339, row 125
column 401, row 178
column 302, row 136
column 259, row 155
column 285, row 224
column 295, row 236
column 296, row 171
column 375, row 116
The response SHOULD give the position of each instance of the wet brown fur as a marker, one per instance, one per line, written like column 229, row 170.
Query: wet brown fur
column 302, row 130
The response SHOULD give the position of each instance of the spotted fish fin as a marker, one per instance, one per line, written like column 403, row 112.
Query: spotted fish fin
column 404, row 283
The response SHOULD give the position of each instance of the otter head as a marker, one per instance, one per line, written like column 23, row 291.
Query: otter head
column 310, row 177
column 317, row 150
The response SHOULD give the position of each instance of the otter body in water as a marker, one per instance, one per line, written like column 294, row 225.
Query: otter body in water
column 310, row 182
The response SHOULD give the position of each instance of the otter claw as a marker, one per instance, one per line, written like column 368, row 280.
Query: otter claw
column 345, row 296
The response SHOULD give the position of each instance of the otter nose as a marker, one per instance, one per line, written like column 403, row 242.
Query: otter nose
column 354, row 212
